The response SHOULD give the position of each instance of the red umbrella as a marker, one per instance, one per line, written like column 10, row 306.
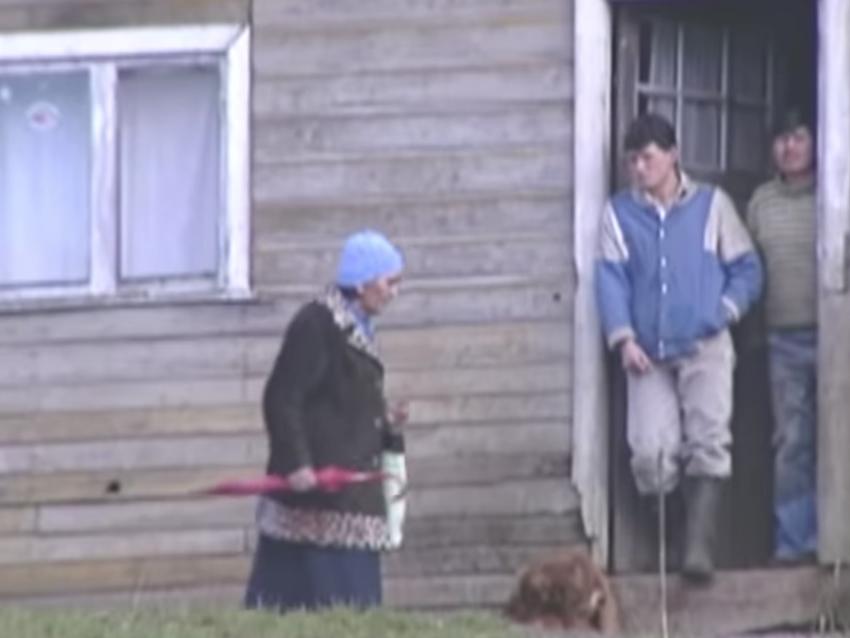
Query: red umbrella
column 328, row 479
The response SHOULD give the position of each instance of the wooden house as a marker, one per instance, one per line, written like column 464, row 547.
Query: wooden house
column 176, row 177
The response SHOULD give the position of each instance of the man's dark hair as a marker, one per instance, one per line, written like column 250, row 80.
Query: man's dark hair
column 650, row 128
column 792, row 118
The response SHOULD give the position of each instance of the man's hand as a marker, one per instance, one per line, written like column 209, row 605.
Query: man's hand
column 303, row 479
column 633, row 357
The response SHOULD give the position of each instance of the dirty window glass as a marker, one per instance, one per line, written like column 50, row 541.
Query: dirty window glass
column 170, row 159
column 712, row 83
column 45, row 164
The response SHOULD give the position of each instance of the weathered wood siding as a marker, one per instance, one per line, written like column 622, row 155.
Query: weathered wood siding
column 448, row 125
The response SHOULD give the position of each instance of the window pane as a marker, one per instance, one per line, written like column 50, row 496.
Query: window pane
column 658, row 53
column 747, row 139
column 748, row 65
column 703, row 56
column 170, row 175
column 45, row 166
column 660, row 105
column 700, row 134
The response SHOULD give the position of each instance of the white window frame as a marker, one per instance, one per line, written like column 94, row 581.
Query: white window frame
column 230, row 45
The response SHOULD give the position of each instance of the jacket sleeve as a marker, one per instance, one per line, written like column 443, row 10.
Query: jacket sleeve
column 740, row 260
column 611, row 281
column 298, row 370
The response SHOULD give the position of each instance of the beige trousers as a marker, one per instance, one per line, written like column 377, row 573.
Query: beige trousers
column 682, row 411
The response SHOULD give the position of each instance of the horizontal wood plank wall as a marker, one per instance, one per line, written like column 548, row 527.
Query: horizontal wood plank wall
column 445, row 123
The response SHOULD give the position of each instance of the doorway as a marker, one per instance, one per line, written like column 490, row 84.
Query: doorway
column 720, row 71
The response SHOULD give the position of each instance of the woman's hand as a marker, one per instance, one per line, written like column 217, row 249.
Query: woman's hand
column 398, row 414
column 303, row 479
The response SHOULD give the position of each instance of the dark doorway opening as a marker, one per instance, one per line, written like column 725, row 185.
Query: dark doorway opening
column 720, row 71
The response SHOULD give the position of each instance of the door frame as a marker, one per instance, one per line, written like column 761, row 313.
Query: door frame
column 593, row 41
column 593, row 32
column 834, row 223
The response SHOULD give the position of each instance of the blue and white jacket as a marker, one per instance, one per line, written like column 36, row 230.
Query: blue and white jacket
column 669, row 278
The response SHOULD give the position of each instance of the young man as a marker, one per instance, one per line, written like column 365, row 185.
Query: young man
column 676, row 267
column 783, row 222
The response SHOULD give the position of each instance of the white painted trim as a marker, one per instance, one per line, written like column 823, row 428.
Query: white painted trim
column 833, row 149
column 104, row 186
column 591, row 148
column 115, row 43
column 238, row 166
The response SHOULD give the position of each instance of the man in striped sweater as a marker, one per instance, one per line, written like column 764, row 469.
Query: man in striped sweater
column 782, row 220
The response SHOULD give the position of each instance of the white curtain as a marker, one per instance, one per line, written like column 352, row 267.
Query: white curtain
column 660, row 36
column 748, row 139
column 702, row 63
column 748, row 135
column 703, row 57
column 748, row 68
column 662, row 59
column 700, row 135
column 702, row 103
column 45, row 160
column 169, row 171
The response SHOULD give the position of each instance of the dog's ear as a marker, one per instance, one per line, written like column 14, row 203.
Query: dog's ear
column 606, row 611
column 597, row 599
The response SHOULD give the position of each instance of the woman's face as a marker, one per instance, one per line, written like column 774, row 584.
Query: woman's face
column 377, row 294
column 793, row 152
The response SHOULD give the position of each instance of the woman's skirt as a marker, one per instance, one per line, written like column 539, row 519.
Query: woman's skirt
column 288, row 576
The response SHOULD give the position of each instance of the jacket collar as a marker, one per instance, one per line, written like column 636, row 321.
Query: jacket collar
column 687, row 188
column 348, row 323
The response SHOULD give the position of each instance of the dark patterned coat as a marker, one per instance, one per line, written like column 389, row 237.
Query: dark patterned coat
column 324, row 405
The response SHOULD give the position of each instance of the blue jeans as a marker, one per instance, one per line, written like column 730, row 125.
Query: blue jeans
column 793, row 380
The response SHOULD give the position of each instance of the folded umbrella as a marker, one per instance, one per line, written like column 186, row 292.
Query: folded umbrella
column 328, row 479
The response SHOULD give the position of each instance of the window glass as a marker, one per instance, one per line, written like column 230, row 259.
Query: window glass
column 45, row 177
column 169, row 124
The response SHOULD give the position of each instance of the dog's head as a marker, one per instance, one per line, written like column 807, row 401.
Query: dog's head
column 565, row 590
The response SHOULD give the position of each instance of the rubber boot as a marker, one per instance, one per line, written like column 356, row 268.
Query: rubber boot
column 702, row 504
column 675, row 527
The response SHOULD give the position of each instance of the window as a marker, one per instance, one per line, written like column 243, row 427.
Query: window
column 124, row 162
column 713, row 82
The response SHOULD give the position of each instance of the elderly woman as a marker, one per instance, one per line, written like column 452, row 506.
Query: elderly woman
column 324, row 406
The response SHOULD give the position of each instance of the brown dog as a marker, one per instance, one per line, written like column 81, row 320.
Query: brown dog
column 565, row 590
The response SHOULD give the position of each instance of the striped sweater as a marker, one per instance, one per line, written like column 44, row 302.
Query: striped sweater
column 783, row 222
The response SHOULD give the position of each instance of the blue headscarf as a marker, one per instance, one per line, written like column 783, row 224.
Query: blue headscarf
column 366, row 256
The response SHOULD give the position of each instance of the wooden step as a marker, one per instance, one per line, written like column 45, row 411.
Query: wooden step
column 736, row 601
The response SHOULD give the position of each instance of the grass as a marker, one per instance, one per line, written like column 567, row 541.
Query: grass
column 20, row 623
